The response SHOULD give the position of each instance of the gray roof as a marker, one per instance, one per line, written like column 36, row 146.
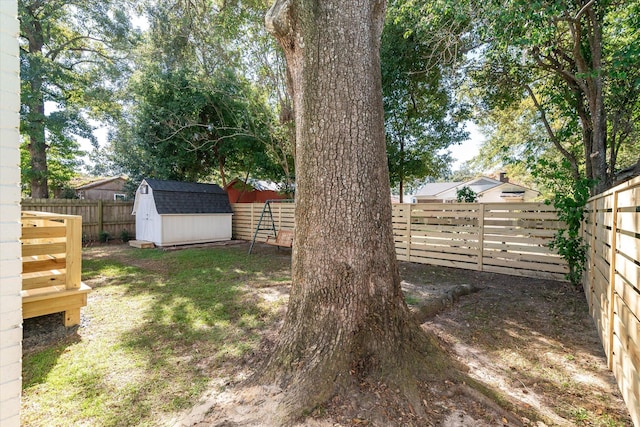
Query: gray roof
column 174, row 197
column 433, row 188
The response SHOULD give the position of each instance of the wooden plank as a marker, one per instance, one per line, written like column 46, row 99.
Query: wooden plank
column 600, row 321
column 30, row 265
column 520, row 248
column 628, row 245
column 629, row 270
column 43, row 279
column 74, row 252
column 468, row 258
column 141, row 244
column 43, row 232
column 628, row 379
column 445, row 228
column 443, row 249
column 443, row 263
column 497, row 236
column 43, row 249
column 53, row 302
column 629, row 197
column 629, row 294
column 602, row 266
column 524, row 257
column 627, row 329
column 516, row 231
column 527, row 206
column 522, row 265
column 629, row 221
column 524, row 273
column 523, row 215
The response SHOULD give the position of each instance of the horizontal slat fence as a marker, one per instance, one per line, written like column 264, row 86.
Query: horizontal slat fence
column 247, row 215
column 97, row 215
column 611, row 283
column 498, row 237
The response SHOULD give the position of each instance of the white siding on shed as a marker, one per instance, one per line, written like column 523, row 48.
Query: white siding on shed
column 10, row 229
column 197, row 228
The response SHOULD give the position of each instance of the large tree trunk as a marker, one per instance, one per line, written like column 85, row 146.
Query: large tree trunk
column 346, row 316
column 36, row 118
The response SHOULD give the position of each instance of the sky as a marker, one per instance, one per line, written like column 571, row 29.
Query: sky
column 469, row 148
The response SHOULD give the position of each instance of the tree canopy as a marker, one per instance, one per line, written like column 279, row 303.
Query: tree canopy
column 71, row 56
column 422, row 116
column 578, row 65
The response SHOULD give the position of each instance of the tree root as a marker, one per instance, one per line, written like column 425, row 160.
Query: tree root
column 432, row 306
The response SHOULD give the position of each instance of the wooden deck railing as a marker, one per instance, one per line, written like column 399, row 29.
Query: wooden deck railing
column 52, row 266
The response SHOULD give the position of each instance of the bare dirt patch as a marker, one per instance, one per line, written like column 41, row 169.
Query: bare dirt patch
column 530, row 341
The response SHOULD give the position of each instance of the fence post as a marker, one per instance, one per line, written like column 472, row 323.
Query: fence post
column 100, row 217
column 592, row 258
column 481, row 213
column 612, row 277
column 409, row 234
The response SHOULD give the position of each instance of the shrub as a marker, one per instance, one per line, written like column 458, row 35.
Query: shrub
column 125, row 236
column 103, row 236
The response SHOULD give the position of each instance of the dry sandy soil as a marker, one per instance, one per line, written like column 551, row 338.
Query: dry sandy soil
column 530, row 341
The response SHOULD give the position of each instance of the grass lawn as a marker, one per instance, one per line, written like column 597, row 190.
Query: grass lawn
column 158, row 329
column 164, row 330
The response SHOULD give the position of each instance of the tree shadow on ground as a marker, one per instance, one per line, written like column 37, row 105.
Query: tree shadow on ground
column 535, row 342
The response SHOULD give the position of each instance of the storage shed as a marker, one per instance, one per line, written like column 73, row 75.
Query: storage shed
column 179, row 213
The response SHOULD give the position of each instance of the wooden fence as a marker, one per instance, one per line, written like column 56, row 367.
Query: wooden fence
column 247, row 215
column 611, row 283
column 497, row 237
column 111, row 217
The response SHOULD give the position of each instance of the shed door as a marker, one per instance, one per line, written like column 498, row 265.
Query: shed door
column 145, row 216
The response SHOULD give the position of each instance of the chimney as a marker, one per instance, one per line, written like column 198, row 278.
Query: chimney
column 504, row 177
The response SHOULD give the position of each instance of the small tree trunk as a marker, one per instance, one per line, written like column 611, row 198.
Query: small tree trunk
column 347, row 317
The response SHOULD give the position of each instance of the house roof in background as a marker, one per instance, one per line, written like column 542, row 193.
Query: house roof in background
column 479, row 185
column 433, row 188
column 174, row 197
column 256, row 184
column 96, row 182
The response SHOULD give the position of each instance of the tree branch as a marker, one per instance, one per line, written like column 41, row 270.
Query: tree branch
column 554, row 139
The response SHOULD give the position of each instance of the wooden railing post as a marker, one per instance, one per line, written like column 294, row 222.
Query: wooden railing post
column 74, row 251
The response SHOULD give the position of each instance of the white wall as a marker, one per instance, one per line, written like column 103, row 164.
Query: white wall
column 10, row 263
column 194, row 228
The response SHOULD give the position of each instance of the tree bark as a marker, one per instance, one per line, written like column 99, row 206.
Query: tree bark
column 36, row 118
column 346, row 317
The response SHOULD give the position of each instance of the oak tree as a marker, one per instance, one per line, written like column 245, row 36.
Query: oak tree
column 347, row 321
column 71, row 53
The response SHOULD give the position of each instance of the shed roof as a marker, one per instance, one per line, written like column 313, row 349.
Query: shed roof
column 174, row 197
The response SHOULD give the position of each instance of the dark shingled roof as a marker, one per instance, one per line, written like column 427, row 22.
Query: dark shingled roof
column 173, row 197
